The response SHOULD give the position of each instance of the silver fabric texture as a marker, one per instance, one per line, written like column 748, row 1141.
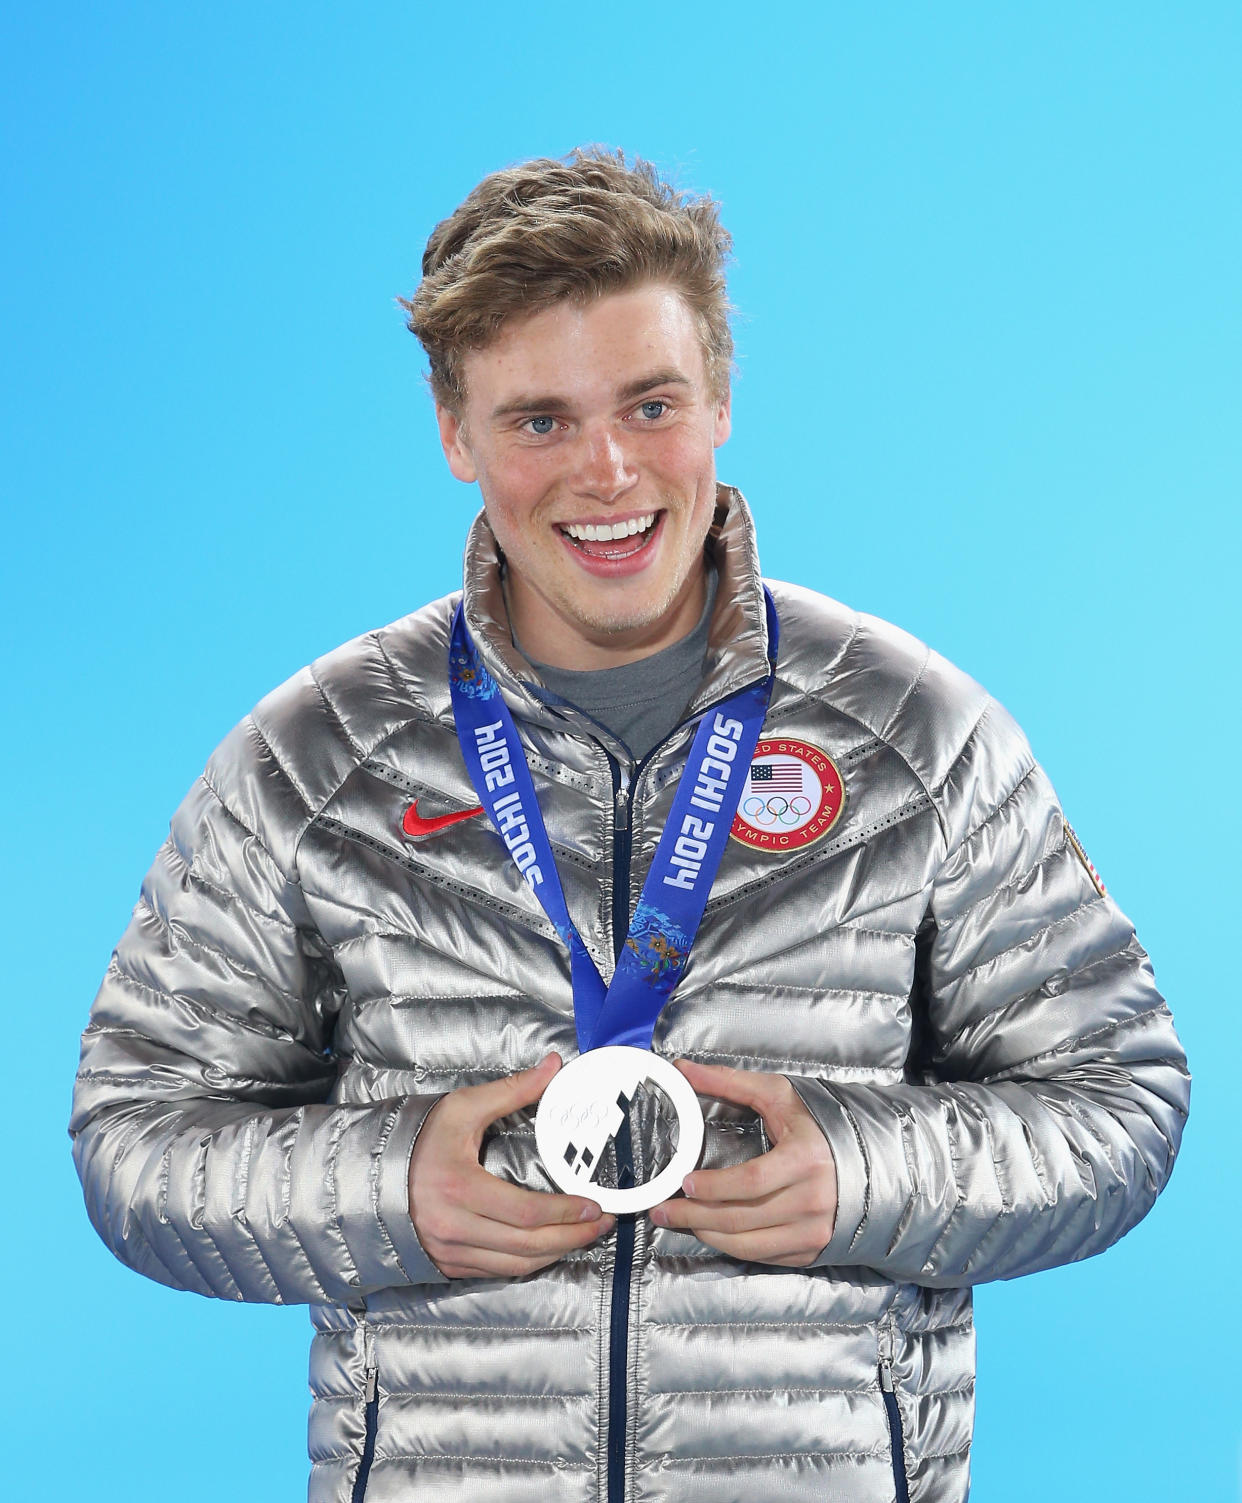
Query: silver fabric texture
column 972, row 1022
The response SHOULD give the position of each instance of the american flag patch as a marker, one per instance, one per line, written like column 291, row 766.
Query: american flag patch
column 1076, row 847
column 781, row 777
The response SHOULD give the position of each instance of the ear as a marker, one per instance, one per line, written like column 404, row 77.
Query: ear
column 724, row 419
column 453, row 442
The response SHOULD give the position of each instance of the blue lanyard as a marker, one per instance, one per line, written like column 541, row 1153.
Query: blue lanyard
column 675, row 893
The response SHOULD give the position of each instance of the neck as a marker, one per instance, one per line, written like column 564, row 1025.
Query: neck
column 548, row 638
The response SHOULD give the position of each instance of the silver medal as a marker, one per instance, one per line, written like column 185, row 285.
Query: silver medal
column 585, row 1105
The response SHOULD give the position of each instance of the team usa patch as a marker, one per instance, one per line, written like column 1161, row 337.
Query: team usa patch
column 1076, row 847
column 792, row 798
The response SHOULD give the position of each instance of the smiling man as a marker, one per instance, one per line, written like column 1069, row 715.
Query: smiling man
column 591, row 430
column 621, row 791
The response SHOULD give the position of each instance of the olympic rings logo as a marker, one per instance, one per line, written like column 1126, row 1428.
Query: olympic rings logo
column 775, row 810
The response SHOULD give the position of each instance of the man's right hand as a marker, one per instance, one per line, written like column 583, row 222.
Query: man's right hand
column 472, row 1224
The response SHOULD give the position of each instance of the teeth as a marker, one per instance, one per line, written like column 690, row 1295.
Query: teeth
column 590, row 533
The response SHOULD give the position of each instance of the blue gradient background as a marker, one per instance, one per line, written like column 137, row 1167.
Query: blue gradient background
column 990, row 315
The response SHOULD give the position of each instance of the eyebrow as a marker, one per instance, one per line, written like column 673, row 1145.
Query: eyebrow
column 551, row 404
column 666, row 376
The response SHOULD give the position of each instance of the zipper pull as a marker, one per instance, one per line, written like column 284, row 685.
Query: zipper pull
column 371, row 1372
column 887, row 1343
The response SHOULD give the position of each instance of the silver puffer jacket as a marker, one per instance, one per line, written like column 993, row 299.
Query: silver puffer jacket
column 971, row 1021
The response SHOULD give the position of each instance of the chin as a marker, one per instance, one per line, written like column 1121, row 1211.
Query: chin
column 626, row 617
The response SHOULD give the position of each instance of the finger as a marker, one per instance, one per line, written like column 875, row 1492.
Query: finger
column 765, row 1175
column 485, row 1194
column 473, row 1246
column 734, row 1217
column 760, row 1090
column 775, row 1233
column 788, row 1245
column 453, row 1234
column 481, row 1263
column 545, row 1243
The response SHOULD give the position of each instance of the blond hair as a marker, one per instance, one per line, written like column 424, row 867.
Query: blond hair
column 546, row 231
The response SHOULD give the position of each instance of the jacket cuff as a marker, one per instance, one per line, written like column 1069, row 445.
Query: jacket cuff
column 851, row 1163
column 394, row 1256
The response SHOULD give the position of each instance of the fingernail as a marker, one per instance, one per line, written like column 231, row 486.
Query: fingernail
column 660, row 1216
column 589, row 1213
column 687, row 1185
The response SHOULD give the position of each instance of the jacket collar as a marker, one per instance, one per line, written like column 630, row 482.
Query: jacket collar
column 737, row 637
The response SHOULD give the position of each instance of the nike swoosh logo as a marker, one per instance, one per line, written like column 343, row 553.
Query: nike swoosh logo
column 415, row 824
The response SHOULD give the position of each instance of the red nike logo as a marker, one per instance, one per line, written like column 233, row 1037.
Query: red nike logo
column 415, row 824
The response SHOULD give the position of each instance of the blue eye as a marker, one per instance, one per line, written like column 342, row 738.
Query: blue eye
column 646, row 408
column 537, row 425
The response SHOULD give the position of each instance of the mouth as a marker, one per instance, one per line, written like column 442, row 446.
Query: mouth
column 612, row 542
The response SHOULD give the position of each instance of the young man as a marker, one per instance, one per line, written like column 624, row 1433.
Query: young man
column 929, row 1045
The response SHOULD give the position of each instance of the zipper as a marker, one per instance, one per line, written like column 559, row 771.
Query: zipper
column 622, row 842
column 623, row 792
column 370, row 1393
column 623, row 1256
column 888, row 1392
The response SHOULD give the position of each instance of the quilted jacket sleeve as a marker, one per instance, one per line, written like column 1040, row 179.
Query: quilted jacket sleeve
column 209, row 1155
column 1048, row 1092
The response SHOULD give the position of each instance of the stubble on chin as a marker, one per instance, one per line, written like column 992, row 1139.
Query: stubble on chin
column 624, row 618
column 603, row 613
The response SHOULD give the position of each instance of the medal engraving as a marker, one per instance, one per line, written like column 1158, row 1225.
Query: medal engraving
column 586, row 1105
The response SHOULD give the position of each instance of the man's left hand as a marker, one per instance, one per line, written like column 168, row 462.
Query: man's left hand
column 777, row 1208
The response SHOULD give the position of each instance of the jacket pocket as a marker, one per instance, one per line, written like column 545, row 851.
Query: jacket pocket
column 896, row 1440
column 370, row 1394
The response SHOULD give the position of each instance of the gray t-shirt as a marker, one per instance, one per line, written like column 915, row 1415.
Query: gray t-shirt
column 638, row 702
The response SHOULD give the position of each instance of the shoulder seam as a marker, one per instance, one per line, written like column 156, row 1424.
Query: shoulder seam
column 1028, row 772
column 360, row 752
column 237, row 819
column 822, row 696
column 989, row 704
column 334, row 713
column 908, row 695
column 230, row 897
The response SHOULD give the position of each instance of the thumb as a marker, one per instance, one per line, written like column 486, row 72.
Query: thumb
column 500, row 1097
column 768, row 1095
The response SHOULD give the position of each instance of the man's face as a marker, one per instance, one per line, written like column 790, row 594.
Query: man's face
column 580, row 423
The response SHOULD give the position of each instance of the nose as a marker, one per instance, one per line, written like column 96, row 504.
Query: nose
column 602, row 471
